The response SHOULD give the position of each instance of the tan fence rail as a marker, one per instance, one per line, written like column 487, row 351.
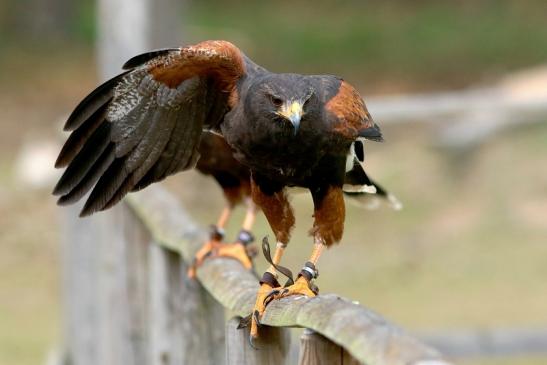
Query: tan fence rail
column 134, row 304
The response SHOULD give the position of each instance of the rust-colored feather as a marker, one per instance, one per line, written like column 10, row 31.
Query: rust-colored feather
column 219, row 58
column 350, row 111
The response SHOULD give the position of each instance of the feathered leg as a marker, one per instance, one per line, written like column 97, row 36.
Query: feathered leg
column 241, row 250
column 278, row 211
column 329, row 213
column 216, row 236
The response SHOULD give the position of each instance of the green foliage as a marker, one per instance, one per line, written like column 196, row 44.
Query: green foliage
column 84, row 25
column 420, row 42
column 377, row 44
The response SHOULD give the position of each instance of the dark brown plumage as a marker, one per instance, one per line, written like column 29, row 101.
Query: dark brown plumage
column 217, row 160
column 286, row 129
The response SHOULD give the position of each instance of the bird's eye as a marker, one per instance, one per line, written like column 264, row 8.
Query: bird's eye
column 276, row 101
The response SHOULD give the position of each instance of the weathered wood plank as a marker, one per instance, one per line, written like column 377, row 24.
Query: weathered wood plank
column 469, row 343
column 104, row 289
column 318, row 350
column 186, row 326
column 136, row 252
column 272, row 347
column 366, row 335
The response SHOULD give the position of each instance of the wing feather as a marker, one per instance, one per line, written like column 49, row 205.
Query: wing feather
column 128, row 134
column 145, row 57
column 91, row 177
column 92, row 102
column 109, row 183
column 84, row 161
column 146, row 123
column 78, row 138
column 351, row 117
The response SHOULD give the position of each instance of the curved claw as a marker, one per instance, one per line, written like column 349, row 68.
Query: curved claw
column 270, row 296
column 192, row 269
column 256, row 317
column 244, row 322
column 255, row 324
column 204, row 252
column 252, row 342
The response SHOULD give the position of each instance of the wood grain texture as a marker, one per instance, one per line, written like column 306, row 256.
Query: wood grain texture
column 273, row 345
column 129, row 301
column 105, row 289
column 186, row 326
column 316, row 349
column 363, row 333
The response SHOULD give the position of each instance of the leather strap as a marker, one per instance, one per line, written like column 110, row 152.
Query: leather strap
column 283, row 270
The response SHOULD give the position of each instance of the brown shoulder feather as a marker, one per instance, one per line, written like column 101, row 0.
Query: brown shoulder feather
column 219, row 58
column 353, row 118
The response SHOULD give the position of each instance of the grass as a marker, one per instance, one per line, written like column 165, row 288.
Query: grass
column 382, row 45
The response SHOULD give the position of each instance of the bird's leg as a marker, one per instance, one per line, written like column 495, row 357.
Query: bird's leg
column 304, row 283
column 268, row 283
column 209, row 247
column 242, row 250
column 329, row 213
column 328, row 226
column 278, row 211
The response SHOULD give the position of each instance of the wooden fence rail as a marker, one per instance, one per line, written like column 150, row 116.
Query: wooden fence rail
column 137, row 306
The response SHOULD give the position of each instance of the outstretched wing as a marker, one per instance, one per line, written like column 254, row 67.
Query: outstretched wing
column 145, row 124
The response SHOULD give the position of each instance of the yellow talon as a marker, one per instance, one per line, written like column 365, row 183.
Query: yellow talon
column 267, row 293
column 214, row 248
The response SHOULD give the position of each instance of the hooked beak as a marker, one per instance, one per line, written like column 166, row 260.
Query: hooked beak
column 293, row 113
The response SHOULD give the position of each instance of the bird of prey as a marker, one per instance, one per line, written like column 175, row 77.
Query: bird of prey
column 289, row 130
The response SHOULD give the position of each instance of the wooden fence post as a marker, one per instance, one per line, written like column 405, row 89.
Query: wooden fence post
column 105, row 284
column 186, row 325
column 272, row 347
column 317, row 350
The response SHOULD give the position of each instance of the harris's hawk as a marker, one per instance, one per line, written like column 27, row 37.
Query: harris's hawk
column 289, row 130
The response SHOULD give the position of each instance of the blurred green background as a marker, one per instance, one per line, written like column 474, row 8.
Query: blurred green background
column 468, row 251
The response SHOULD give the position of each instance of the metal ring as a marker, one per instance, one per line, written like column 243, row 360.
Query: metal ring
column 245, row 237
column 311, row 271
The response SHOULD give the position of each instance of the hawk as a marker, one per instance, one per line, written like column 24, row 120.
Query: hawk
column 288, row 130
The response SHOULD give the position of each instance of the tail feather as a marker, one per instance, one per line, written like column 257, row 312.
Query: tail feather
column 364, row 192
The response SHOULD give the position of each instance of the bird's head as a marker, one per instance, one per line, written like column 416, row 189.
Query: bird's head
column 284, row 99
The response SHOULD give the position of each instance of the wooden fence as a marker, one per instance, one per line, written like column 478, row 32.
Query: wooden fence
column 133, row 304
